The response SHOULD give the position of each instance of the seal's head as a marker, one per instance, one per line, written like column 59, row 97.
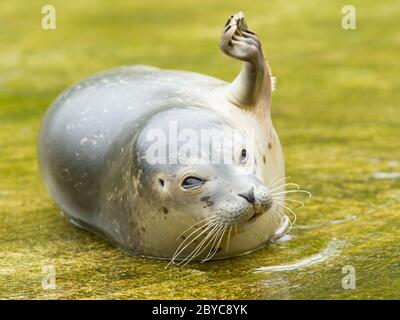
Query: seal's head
column 205, row 182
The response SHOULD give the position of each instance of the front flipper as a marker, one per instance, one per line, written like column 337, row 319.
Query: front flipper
column 252, row 88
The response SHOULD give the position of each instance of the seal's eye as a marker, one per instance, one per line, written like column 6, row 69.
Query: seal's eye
column 192, row 182
column 243, row 155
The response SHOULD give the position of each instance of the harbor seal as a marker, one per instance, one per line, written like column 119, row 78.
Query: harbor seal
column 112, row 156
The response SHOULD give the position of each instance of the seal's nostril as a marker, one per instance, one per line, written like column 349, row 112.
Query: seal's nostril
column 249, row 196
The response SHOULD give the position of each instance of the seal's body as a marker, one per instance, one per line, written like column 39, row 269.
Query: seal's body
column 97, row 139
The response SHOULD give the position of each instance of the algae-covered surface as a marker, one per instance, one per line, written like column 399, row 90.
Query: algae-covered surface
column 336, row 109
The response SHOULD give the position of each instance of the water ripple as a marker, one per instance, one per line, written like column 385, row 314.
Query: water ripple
column 334, row 246
column 332, row 222
column 386, row 175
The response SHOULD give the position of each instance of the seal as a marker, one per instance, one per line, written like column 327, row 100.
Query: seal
column 116, row 153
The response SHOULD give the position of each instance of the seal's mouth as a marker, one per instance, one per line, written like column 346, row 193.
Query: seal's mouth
column 257, row 211
column 255, row 215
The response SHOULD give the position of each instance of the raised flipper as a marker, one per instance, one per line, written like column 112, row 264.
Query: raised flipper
column 252, row 88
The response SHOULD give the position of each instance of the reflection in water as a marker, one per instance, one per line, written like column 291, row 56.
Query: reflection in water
column 386, row 175
column 284, row 238
column 333, row 247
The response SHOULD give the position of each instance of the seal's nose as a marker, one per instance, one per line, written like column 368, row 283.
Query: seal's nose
column 249, row 196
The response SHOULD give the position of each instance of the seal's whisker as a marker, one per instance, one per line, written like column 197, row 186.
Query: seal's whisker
column 293, row 191
column 274, row 183
column 179, row 250
column 211, row 240
column 220, row 240
column 206, row 242
column 290, row 221
column 283, row 207
column 202, row 227
column 229, row 238
column 192, row 226
column 202, row 230
column 292, row 200
column 214, row 241
column 285, row 185
column 277, row 181
column 176, row 255
column 196, row 251
column 288, row 208
column 283, row 212
column 217, row 247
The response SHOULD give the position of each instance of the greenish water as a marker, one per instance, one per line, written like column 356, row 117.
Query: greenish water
column 336, row 111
